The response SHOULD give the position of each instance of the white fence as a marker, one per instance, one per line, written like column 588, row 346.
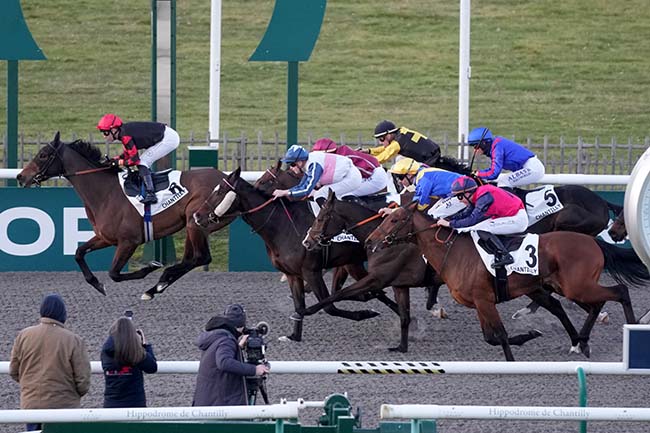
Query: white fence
column 405, row 367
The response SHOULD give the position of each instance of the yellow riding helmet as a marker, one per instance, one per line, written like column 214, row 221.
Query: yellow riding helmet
column 405, row 166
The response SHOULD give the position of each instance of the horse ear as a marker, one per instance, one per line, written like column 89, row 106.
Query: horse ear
column 331, row 196
column 278, row 165
column 236, row 174
column 57, row 137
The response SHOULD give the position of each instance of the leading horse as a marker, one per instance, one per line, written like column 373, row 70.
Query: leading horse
column 570, row 264
column 115, row 221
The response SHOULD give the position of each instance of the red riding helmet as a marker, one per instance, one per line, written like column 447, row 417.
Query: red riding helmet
column 463, row 184
column 109, row 121
column 325, row 145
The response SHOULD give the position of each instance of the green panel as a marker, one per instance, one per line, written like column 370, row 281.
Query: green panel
column 36, row 224
column 203, row 156
column 247, row 251
column 292, row 31
column 16, row 41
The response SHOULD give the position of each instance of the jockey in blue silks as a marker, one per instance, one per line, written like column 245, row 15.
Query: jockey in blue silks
column 525, row 168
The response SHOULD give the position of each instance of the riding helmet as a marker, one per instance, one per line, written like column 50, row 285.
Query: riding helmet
column 463, row 184
column 295, row 153
column 109, row 121
column 479, row 135
column 325, row 145
column 385, row 127
column 405, row 166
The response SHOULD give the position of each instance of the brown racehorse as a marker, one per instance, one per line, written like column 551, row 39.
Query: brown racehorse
column 617, row 231
column 115, row 221
column 570, row 264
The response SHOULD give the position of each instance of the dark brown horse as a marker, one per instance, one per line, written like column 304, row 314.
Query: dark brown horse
column 115, row 221
column 570, row 264
column 399, row 266
column 282, row 224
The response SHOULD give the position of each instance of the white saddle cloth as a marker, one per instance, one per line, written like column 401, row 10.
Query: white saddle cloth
column 166, row 197
column 526, row 257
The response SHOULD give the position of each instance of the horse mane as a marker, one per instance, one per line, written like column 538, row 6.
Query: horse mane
column 452, row 164
column 87, row 150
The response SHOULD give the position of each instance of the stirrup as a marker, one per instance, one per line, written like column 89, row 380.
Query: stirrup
column 506, row 259
column 149, row 198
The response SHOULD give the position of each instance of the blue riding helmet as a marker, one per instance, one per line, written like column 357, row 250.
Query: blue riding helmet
column 295, row 153
column 479, row 135
column 462, row 185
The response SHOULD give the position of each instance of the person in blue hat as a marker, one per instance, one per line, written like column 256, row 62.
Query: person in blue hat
column 525, row 168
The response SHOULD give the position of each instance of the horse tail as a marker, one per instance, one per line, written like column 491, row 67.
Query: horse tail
column 624, row 265
column 615, row 208
column 452, row 164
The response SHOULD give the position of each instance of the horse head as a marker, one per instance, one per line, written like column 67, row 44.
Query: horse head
column 617, row 231
column 46, row 164
column 325, row 227
column 276, row 178
column 220, row 201
column 395, row 227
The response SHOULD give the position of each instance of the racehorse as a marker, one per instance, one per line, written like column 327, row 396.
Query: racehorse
column 570, row 264
column 399, row 266
column 115, row 221
column 282, row 225
column 617, row 231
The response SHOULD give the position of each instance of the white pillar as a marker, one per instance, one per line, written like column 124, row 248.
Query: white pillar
column 215, row 70
column 464, row 74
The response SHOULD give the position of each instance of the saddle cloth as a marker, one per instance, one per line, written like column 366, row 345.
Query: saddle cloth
column 542, row 202
column 525, row 254
column 166, row 183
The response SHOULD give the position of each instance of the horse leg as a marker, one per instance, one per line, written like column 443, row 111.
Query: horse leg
column 315, row 280
column 296, row 284
column 197, row 253
column 339, row 277
column 592, row 314
column 368, row 283
column 94, row 243
column 123, row 253
column 494, row 333
column 543, row 298
column 402, row 296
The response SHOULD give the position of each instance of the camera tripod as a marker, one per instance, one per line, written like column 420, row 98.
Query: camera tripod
column 254, row 384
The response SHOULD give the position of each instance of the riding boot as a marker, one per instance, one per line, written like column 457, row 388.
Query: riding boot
column 149, row 192
column 501, row 256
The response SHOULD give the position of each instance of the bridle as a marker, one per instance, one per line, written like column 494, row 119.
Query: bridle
column 40, row 175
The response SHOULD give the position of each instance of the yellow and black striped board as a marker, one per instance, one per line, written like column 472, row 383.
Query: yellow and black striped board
column 390, row 368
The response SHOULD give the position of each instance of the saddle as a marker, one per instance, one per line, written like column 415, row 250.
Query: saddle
column 133, row 182
column 373, row 201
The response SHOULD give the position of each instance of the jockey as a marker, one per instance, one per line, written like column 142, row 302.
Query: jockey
column 157, row 138
column 403, row 141
column 373, row 176
column 491, row 211
column 431, row 184
column 525, row 167
column 322, row 171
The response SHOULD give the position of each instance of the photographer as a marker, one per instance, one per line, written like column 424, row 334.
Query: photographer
column 221, row 380
column 125, row 355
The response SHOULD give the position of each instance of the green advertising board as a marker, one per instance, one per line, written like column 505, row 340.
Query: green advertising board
column 40, row 229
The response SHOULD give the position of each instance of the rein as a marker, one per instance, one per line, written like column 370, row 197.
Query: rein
column 40, row 175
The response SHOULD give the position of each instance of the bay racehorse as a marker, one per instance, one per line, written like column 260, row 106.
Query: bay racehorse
column 282, row 225
column 399, row 265
column 115, row 221
column 570, row 264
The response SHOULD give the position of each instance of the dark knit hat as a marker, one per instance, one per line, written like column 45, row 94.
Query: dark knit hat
column 236, row 315
column 54, row 307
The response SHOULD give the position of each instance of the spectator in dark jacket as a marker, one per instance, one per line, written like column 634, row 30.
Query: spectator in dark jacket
column 221, row 380
column 125, row 356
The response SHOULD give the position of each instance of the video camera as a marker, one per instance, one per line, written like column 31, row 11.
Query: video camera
column 255, row 348
column 255, row 353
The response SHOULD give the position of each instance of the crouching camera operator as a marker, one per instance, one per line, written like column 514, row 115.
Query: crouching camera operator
column 221, row 380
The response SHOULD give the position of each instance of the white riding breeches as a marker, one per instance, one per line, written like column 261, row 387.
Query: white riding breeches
column 350, row 182
column 165, row 146
column 446, row 207
column 518, row 223
column 377, row 181
column 532, row 172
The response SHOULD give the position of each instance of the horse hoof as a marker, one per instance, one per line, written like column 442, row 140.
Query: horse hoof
column 603, row 318
column 535, row 333
column 146, row 297
column 574, row 349
column 397, row 349
column 283, row 278
column 439, row 313
column 521, row 313
column 296, row 317
column 288, row 338
column 160, row 287
column 100, row 288
column 586, row 350
column 155, row 264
